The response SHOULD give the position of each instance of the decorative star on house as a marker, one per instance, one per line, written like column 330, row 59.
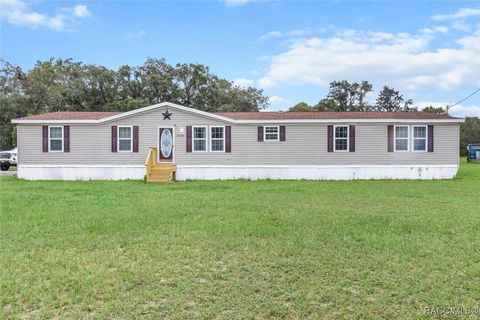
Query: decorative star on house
column 166, row 115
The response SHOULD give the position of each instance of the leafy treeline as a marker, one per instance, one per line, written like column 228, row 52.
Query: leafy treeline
column 346, row 96
column 66, row 85
column 469, row 133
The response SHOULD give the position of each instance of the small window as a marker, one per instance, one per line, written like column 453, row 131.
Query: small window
column 341, row 138
column 199, row 139
column 271, row 133
column 55, row 139
column 217, row 139
column 419, row 138
column 125, row 139
column 401, row 138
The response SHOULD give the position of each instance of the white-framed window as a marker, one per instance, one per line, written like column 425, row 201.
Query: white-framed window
column 199, row 138
column 55, row 139
column 419, row 134
column 401, row 140
column 217, row 139
column 341, row 142
column 125, row 138
column 271, row 133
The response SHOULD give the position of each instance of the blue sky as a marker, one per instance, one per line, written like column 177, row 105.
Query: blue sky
column 429, row 50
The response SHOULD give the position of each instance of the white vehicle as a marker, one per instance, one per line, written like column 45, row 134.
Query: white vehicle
column 8, row 159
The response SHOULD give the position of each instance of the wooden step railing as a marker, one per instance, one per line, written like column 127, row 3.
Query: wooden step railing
column 159, row 172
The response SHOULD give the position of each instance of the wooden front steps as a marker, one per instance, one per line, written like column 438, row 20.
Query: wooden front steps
column 159, row 172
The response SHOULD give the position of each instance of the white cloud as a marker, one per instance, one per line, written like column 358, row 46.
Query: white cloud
column 461, row 25
column 458, row 110
column 233, row 3
column 401, row 60
column 267, row 82
column 270, row 35
column 296, row 33
column 432, row 30
column 277, row 99
column 465, row 111
column 459, row 19
column 136, row 34
column 81, row 11
column 460, row 14
column 19, row 13
column 441, row 29
column 243, row 82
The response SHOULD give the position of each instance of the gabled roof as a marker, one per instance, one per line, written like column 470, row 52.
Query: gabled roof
column 331, row 115
column 243, row 117
column 70, row 115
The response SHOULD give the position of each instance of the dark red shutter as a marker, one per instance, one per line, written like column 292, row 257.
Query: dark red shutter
column 260, row 134
column 114, row 138
column 228, row 139
column 45, row 138
column 135, row 138
column 66, row 139
column 282, row 133
column 430, row 138
column 351, row 133
column 330, row 138
column 390, row 138
column 189, row 138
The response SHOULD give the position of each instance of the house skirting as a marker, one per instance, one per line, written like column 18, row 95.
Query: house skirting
column 81, row 172
column 424, row 172
column 204, row 172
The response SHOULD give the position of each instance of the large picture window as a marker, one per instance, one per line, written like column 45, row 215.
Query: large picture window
column 55, row 139
column 271, row 133
column 419, row 138
column 125, row 139
column 217, row 139
column 199, row 139
column 401, row 138
column 341, row 138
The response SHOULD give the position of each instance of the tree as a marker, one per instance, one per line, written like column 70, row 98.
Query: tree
column 469, row 133
column 230, row 97
column 391, row 100
column 66, row 85
column 326, row 105
column 349, row 96
column 436, row 110
column 345, row 96
column 302, row 107
column 13, row 103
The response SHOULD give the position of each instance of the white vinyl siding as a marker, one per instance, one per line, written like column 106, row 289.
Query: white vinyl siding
column 125, row 139
column 55, row 139
column 306, row 145
column 200, row 139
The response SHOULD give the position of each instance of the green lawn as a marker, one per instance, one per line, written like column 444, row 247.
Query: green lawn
column 239, row 249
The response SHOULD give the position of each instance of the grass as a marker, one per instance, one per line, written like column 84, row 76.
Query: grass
column 239, row 249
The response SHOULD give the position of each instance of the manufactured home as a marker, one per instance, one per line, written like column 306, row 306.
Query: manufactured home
column 169, row 141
